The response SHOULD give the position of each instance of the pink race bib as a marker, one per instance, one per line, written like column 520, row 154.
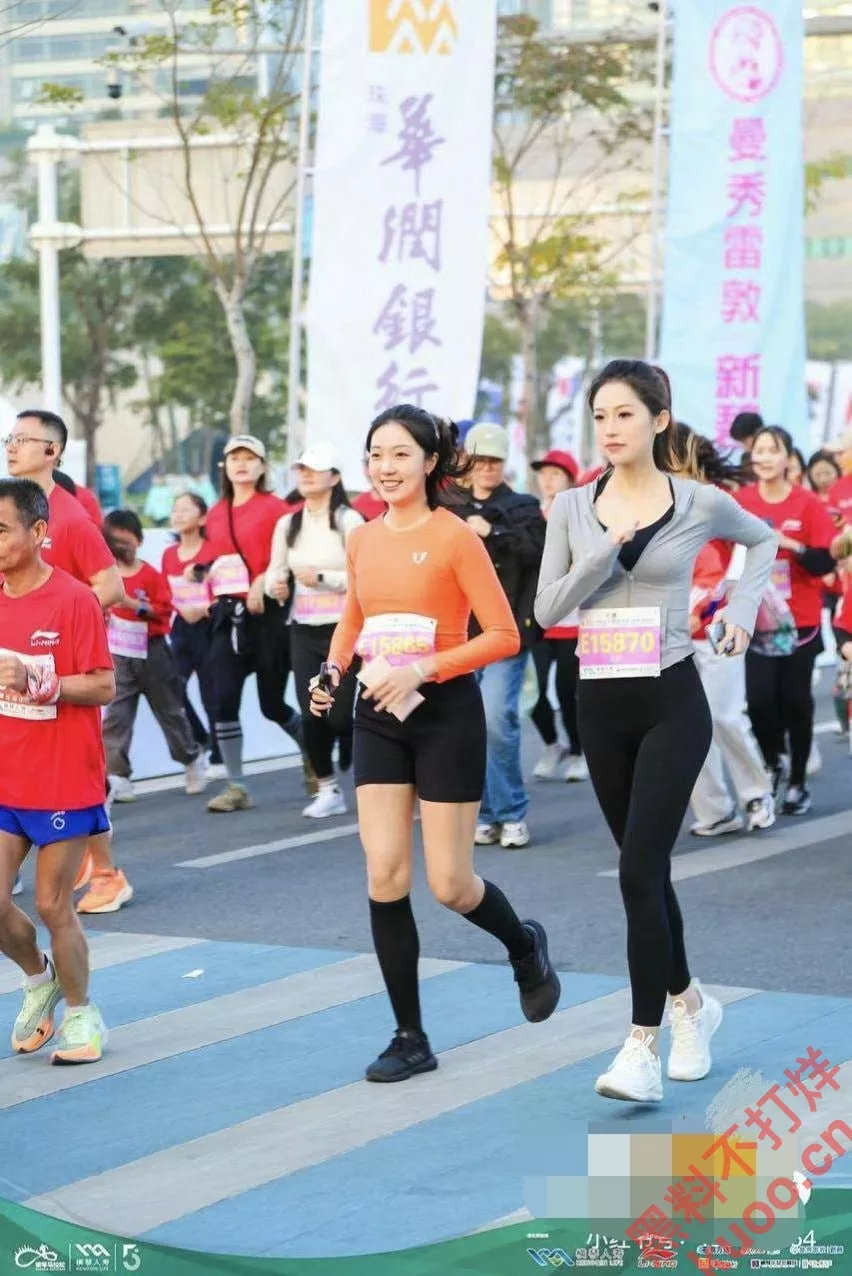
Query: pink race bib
column 317, row 606
column 229, row 576
column 780, row 577
column 401, row 637
column 128, row 638
column 188, row 593
column 620, row 642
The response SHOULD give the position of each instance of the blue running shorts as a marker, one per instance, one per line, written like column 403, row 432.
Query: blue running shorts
column 41, row 828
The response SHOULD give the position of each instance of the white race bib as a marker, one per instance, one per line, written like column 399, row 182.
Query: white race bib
column 128, row 638
column 401, row 637
column 229, row 576
column 15, row 705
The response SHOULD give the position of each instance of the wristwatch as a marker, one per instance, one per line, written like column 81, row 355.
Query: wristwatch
column 320, row 578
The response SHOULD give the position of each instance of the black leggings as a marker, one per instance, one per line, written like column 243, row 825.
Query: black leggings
column 645, row 741
column 309, row 645
column 564, row 652
column 268, row 656
column 191, row 648
column 781, row 703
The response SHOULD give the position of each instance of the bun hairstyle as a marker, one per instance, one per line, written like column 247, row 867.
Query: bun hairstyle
column 436, row 437
column 650, row 384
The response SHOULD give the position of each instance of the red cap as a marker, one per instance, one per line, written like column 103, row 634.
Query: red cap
column 563, row 460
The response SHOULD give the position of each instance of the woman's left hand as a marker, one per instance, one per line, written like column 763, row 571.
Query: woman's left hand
column 395, row 687
column 734, row 640
column 307, row 576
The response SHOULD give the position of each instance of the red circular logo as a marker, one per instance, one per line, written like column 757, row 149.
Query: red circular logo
column 746, row 54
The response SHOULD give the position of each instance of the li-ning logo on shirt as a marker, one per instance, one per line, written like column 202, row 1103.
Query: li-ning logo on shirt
column 44, row 638
column 419, row 557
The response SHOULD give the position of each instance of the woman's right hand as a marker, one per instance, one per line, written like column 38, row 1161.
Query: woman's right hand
column 321, row 700
column 621, row 533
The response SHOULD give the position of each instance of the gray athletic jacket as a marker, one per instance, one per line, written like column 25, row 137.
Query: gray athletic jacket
column 580, row 567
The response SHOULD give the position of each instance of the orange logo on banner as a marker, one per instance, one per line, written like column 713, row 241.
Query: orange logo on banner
column 413, row 26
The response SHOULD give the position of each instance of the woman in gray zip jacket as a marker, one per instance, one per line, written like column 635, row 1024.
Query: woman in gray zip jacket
column 622, row 549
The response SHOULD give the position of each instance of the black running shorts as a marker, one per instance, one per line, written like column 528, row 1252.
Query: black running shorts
column 440, row 748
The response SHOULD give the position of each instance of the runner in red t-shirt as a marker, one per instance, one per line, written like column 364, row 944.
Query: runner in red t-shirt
column 249, row 629
column 55, row 674
column 34, row 450
column 144, row 665
column 84, row 495
column 369, row 504
column 780, row 702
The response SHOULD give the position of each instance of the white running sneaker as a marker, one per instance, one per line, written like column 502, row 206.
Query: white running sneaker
column 196, row 776
column 548, row 762
column 514, row 836
column 329, row 801
column 729, row 824
column 761, row 812
column 814, row 761
column 576, row 769
column 689, row 1057
column 487, row 834
column 121, row 789
column 635, row 1073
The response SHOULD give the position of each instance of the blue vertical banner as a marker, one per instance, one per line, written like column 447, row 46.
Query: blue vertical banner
column 733, row 335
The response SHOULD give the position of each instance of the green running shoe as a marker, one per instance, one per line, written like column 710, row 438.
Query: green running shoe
column 82, row 1036
column 34, row 1025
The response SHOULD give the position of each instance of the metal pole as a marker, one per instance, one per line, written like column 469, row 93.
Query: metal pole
column 48, row 254
column 656, row 184
column 295, row 431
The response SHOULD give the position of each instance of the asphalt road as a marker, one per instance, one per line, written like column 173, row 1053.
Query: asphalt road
column 776, row 923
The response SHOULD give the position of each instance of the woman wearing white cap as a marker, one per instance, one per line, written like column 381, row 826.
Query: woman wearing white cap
column 310, row 546
column 249, row 631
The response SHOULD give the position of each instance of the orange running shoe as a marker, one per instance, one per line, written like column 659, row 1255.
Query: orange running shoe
column 85, row 871
column 109, row 891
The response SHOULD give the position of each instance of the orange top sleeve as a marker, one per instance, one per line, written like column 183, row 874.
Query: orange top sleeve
column 440, row 570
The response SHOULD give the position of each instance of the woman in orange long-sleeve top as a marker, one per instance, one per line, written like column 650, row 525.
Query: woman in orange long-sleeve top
column 414, row 577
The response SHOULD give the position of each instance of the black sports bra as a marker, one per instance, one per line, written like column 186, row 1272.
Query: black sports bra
column 630, row 553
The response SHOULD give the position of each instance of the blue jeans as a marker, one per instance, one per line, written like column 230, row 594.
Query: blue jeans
column 504, row 800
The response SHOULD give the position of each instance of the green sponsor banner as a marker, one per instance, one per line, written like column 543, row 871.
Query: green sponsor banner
column 35, row 1243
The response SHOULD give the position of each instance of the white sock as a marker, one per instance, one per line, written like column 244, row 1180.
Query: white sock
column 48, row 974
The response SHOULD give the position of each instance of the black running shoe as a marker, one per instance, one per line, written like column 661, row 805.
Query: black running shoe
column 408, row 1053
column 536, row 977
column 797, row 801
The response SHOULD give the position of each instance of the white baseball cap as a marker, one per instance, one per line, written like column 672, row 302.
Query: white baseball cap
column 250, row 442
column 320, row 457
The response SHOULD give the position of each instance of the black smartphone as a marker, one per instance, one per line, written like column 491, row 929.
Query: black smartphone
column 199, row 571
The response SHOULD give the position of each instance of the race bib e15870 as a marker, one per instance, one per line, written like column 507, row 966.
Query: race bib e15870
column 619, row 642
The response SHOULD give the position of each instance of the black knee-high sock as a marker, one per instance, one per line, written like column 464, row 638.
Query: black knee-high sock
column 496, row 915
column 397, row 947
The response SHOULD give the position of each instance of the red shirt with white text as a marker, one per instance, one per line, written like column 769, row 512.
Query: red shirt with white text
column 804, row 518
column 58, row 752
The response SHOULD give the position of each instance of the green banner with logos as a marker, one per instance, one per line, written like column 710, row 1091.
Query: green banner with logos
column 35, row 1243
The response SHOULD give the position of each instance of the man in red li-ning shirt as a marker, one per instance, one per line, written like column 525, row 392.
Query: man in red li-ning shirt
column 55, row 675
column 73, row 543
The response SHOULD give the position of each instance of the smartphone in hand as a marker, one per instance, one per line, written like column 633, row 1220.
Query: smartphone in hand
column 715, row 635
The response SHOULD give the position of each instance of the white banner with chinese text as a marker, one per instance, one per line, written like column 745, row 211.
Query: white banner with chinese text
column 400, row 214
column 733, row 336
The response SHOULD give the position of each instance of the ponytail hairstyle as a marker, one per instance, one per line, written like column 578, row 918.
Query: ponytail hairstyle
column 650, row 384
column 436, row 437
column 338, row 499
column 696, row 457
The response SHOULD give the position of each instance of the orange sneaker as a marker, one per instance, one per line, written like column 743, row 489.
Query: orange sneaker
column 85, row 871
column 109, row 891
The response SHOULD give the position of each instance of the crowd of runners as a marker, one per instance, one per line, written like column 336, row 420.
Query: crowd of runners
column 670, row 605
